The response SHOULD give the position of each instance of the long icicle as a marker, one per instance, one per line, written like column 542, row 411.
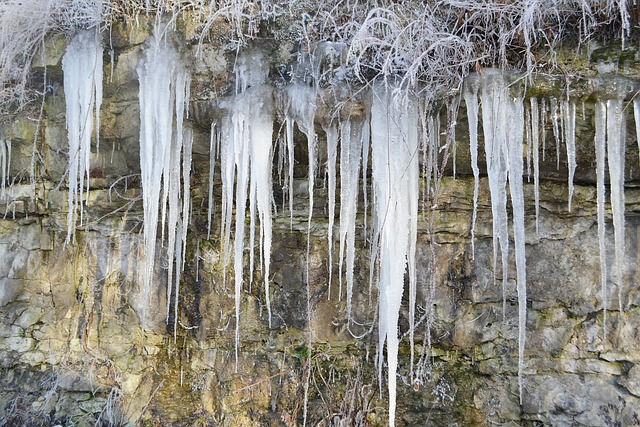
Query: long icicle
column 535, row 140
column 394, row 141
column 471, row 101
column 569, row 120
column 615, row 157
column 82, row 66
column 600, row 144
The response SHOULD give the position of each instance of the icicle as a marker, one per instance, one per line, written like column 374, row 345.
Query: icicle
column 394, row 142
column 615, row 156
column 301, row 109
column 215, row 137
column 529, row 142
column 503, row 126
column 82, row 67
column 600, row 143
column 163, row 93
column 535, row 140
column 494, row 96
column 351, row 133
column 331, row 131
column 569, row 120
column 471, row 100
column 246, row 137
column 543, row 125
column 515, row 121
column 5, row 164
column 636, row 116
column 556, row 129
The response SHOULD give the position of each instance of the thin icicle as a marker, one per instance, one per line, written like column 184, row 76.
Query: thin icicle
column 543, row 125
column 615, row 156
column 556, row 129
column 5, row 164
column 471, row 100
column 82, row 67
column 394, row 140
column 351, row 134
column 636, row 116
column 331, row 131
column 535, row 141
column 215, row 137
column 514, row 142
column 600, row 143
column 569, row 120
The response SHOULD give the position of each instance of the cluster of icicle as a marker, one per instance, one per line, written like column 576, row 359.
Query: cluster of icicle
column 165, row 140
column 5, row 164
column 82, row 66
column 389, row 129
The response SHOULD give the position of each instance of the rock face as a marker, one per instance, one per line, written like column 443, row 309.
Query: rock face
column 73, row 350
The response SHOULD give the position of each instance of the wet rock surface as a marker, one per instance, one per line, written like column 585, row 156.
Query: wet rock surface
column 73, row 350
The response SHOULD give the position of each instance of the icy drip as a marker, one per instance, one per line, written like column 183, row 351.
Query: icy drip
column 535, row 142
column 331, row 130
column 556, row 129
column 615, row 156
column 496, row 105
column 471, row 101
column 394, row 143
column 5, row 164
column 600, row 144
column 213, row 149
column 515, row 144
column 163, row 94
column 245, row 152
column 82, row 67
column 503, row 128
column 636, row 116
column 351, row 134
column 300, row 110
column 569, row 120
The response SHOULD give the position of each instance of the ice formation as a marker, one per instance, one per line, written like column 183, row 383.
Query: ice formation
column 600, row 145
column 569, row 121
column 394, row 144
column 164, row 94
column 615, row 156
column 471, row 101
column 5, row 164
column 246, row 153
column 535, row 142
column 331, row 130
column 82, row 66
column 503, row 129
column 351, row 135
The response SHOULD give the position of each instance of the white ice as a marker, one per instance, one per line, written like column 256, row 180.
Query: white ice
column 82, row 68
column 394, row 142
column 615, row 155
column 163, row 94
column 246, row 153
column 5, row 164
column 569, row 120
column 600, row 145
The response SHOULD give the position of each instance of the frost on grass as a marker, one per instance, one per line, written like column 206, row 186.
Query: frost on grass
column 82, row 66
